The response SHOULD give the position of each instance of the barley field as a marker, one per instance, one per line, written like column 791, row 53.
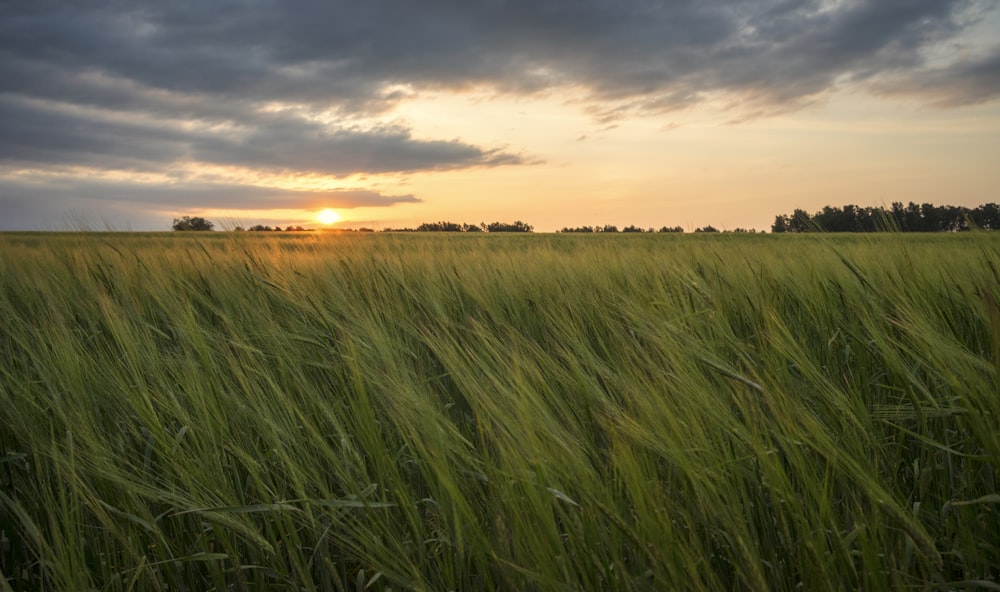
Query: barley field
column 313, row 411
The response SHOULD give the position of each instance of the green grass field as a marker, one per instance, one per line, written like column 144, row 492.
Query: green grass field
column 233, row 411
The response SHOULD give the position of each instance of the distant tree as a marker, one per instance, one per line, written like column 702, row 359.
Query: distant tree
column 632, row 228
column 677, row 229
column 517, row 226
column 440, row 227
column 608, row 228
column 707, row 229
column 473, row 227
column 958, row 218
column 894, row 217
column 830, row 219
column 913, row 220
column 986, row 217
column 580, row 229
column 192, row 223
column 781, row 224
column 260, row 228
column 800, row 221
column 909, row 218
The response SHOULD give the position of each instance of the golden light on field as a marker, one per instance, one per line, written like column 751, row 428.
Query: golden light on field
column 328, row 216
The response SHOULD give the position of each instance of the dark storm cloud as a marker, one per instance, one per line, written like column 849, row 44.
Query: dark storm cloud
column 293, row 144
column 41, row 133
column 217, row 61
column 348, row 54
column 45, row 132
column 972, row 80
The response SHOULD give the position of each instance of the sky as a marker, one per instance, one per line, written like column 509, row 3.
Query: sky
column 126, row 114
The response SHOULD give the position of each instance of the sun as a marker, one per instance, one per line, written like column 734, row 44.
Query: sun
column 328, row 216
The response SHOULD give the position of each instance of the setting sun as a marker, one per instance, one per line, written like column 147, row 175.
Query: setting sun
column 328, row 216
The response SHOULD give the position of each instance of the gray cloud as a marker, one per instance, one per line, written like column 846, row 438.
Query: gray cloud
column 43, row 132
column 967, row 81
column 292, row 144
column 188, row 195
column 348, row 54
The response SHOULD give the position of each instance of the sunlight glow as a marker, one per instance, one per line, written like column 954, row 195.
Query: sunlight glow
column 328, row 216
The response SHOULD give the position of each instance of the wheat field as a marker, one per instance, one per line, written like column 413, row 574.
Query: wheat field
column 316, row 411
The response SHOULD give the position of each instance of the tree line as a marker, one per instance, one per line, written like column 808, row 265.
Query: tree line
column 633, row 228
column 613, row 228
column 198, row 223
column 911, row 217
column 517, row 226
column 897, row 218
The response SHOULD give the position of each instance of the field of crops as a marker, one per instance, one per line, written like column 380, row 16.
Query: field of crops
column 237, row 411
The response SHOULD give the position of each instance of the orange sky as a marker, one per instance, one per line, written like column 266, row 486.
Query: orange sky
column 689, row 168
column 695, row 167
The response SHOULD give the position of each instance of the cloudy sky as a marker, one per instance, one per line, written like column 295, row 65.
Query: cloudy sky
column 128, row 113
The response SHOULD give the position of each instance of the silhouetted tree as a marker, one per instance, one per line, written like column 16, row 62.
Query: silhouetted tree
column 450, row 227
column 517, row 226
column 957, row 218
column 914, row 220
column 671, row 229
column 909, row 218
column 632, row 228
column 781, row 223
column 707, row 229
column 986, row 217
column 800, row 221
column 440, row 227
column 192, row 223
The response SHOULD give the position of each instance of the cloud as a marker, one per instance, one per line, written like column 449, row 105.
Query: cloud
column 62, row 134
column 353, row 56
column 294, row 144
column 47, row 132
column 969, row 80
column 41, row 202
column 192, row 195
